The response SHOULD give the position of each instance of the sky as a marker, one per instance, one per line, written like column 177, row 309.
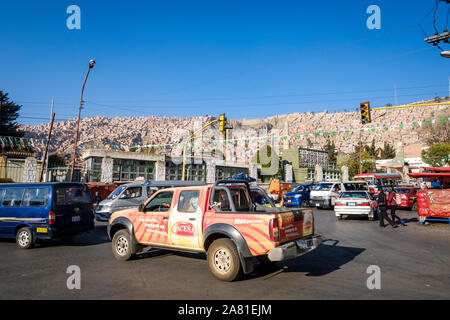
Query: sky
column 247, row 58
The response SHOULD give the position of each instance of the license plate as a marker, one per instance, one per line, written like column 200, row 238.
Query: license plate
column 351, row 204
column 41, row 230
column 76, row 219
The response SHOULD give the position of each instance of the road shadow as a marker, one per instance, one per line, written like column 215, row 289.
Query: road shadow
column 326, row 259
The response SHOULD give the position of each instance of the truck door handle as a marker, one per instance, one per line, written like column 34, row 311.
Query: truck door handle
column 191, row 219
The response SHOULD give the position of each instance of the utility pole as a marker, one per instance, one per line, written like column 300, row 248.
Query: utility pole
column 46, row 146
column 46, row 158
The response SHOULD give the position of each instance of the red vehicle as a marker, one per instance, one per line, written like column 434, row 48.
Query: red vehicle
column 433, row 203
column 406, row 197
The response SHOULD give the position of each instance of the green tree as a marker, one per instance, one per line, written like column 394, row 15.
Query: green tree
column 352, row 162
column 330, row 148
column 387, row 152
column 372, row 150
column 437, row 155
column 9, row 112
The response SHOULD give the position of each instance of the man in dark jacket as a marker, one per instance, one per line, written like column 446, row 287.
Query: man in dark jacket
column 392, row 204
column 382, row 205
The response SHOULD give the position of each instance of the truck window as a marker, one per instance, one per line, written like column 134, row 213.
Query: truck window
column 240, row 199
column 188, row 201
column 2, row 191
column 161, row 202
column 13, row 197
column 221, row 200
column 35, row 197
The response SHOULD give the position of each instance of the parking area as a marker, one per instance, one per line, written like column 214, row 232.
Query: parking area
column 413, row 261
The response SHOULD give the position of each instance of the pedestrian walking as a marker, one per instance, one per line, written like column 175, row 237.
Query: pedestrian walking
column 392, row 204
column 382, row 205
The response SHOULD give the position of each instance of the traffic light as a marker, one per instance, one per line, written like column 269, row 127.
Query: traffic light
column 222, row 122
column 365, row 112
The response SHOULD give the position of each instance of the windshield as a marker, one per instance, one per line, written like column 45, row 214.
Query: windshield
column 297, row 189
column 402, row 190
column 323, row 187
column 355, row 186
column 354, row 195
column 116, row 192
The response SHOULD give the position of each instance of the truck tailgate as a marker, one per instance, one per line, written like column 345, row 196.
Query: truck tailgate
column 295, row 224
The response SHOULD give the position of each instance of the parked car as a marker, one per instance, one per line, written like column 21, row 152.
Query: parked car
column 298, row 196
column 43, row 211
column 324, row 194
column 406, row 197
column 219, row 219
column 131, row 195
column 355, row 203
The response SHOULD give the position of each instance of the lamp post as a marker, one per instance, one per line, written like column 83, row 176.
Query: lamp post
column 445, row 54
column 91, row 65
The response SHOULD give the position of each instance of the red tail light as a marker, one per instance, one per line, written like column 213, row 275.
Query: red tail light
column 51, row 217
column 337, row 204
column 274, row 230
column 364, row 204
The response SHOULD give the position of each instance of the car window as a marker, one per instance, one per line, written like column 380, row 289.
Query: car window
column 297, row 189
column 35, row 197
column 354, row 195
column 323, row 187
column 115, row 193
column 13, row 197
column 221, row 200
column 132, row 192
column 402, row 190
column 2, row 191
column 355, row 186
column 188, row 201
column 336, row 187
column 72, row 195
column 161, row 202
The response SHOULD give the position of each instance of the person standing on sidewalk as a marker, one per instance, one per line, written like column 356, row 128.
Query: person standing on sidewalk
column 382, row 205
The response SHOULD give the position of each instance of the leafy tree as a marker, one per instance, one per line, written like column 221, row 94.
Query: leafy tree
column 9, row 112
column 352, row 162
column 330, row 148
column 387, row 152
column 372, row 150
column 437, row 155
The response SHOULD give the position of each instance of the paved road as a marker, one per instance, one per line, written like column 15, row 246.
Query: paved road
column 414, row 262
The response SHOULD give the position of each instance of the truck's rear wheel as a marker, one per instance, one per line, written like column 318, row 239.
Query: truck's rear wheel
column 223, row 260
column 121, row 245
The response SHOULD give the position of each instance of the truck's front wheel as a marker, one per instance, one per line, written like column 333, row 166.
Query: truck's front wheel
column 121, row 245
column 223, row 260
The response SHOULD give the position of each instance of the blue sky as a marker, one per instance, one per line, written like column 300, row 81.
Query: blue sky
column 249, row 59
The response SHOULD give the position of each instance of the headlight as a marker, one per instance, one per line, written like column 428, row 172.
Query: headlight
column 298, row 196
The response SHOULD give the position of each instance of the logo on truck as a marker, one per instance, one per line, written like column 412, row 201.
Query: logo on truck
column 183, row 229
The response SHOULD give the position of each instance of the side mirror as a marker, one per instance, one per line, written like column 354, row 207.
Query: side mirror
column 141, row 207
column 122, row 196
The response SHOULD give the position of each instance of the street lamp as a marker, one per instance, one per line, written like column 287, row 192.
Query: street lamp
column 445, row 54
column 91, row 65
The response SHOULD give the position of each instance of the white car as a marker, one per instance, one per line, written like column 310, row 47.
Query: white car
column 355, row 203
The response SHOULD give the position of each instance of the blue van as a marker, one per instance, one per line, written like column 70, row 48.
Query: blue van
column 44, row 211
column 298, row 196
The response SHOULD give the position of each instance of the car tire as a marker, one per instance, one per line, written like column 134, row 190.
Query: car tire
column 24, row 238
column 223, row 260
column 371, row 218
column 121, row 245
column 303, row 204
column 339, row 217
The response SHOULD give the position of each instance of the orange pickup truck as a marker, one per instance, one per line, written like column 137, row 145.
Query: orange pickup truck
column 222, row 220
